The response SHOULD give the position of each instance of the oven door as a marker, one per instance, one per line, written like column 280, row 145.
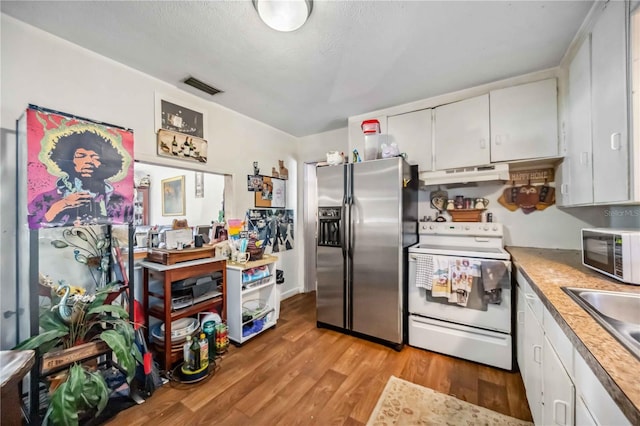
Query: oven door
column 496, row 316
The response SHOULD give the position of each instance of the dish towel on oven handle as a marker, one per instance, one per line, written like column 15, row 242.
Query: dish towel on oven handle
column 495, row 277
column 424, row 271
column 463, row 273
column 441, row 277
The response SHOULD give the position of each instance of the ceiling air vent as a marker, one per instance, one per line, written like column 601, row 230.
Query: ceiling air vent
column 194, row 82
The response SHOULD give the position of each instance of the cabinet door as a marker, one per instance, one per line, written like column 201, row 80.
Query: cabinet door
column 524, row 121
column 583, row 416
column 412, row 133
column 558, row 390
column 533, row 337
column 609, row 105
column 462, row 134
column 520, row 350
column 579, row 155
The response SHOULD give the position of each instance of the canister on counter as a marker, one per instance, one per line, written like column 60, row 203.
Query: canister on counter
column 489, row 217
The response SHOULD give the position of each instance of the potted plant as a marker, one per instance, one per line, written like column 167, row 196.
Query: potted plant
column 73, row 319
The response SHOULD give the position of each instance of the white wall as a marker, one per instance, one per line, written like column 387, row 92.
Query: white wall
column 47, row 71
column 313, row 149
column 553, row 227
column 198, row 211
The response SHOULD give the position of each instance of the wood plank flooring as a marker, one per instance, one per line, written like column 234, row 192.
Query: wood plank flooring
column 299, row 374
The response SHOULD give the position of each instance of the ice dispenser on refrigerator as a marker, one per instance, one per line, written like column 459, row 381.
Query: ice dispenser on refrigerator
column 329, row 223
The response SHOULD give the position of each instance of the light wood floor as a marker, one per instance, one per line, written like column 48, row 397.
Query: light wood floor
column 299, row 374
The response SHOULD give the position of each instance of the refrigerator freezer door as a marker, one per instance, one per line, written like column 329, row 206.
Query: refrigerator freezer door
column 331, row 261
column 376, row 229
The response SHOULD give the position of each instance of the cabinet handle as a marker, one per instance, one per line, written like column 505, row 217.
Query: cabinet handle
column 559, row 403
column 498, row 140
column 564, row 189
column 537, row 350
column 615, row 141
column 483, row 144
column 584, row 158
column 520, row 317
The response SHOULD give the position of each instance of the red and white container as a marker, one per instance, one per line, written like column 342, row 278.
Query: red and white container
column 370, row 126
column 371, row 130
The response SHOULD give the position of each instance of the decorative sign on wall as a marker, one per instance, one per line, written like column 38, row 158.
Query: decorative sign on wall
column 274, row 227
column 79, row 171
column 529, row 197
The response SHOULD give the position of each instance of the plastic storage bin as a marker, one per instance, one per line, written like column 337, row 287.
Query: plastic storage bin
column 371, row 146
column 371, row 130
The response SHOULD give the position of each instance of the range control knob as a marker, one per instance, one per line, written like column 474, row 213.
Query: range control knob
column 431, row 227
column 467, row 228
column 486, row 227
column 495, row 228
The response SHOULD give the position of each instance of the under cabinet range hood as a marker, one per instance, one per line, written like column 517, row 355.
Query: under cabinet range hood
column 466, row 175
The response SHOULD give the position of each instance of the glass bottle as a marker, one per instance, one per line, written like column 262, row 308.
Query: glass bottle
column 186, row 353
column 195, row 355
column 204, row 351
column 186, row 148
column 174, row 146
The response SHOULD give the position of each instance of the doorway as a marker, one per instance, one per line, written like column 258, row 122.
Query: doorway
column 309, row 213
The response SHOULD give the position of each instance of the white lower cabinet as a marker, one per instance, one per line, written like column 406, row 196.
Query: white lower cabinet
column 252, row 298
column 520, row 352
column 533, row 341
column 583, row 416
column 558, row 390
column 561, row 388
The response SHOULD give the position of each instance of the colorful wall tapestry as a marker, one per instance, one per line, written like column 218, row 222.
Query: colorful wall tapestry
column 274, row 227
column 79, row 172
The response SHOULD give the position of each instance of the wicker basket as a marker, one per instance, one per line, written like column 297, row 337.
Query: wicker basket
column 466, row 215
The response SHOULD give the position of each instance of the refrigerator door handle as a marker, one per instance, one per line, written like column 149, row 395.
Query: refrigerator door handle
column 342, row 230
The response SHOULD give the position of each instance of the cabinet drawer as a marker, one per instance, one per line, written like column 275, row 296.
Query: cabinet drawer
column 531, row 297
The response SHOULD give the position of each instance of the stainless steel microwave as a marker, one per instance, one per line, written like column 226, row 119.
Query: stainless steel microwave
column 613, row 252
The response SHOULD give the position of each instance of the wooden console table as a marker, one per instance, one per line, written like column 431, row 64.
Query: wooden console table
column 170, row 274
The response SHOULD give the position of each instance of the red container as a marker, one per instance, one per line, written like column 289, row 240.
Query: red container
column 370, row 126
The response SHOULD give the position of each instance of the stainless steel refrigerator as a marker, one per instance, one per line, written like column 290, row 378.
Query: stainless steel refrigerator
column 367, row 218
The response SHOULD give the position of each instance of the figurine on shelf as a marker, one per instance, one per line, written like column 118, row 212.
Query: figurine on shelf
column 284, row 172
column 274, row 173
column 481, row 203
column 256, row 170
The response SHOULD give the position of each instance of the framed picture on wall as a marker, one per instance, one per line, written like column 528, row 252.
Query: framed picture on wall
column 272, row 193
column 183, row 147
column 173, row 200
column 199, row 185
column 176, row 115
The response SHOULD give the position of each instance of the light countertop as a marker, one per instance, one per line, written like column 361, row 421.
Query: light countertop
column 547, row 270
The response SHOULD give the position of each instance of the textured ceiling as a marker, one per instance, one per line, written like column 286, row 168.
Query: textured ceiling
column 349, row 58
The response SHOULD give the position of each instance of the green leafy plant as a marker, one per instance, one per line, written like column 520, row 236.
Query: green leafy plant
column 72, row 320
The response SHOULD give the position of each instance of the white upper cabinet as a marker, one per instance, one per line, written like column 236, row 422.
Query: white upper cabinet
column 462, row 134
column 609, row 105
column 579, row 183
column 598, row 168
column 412, row 133
column 524, row 121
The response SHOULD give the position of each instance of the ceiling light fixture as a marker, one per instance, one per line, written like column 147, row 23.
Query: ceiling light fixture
column 284, row 15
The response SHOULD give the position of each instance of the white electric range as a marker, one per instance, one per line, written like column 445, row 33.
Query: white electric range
column 482, row 332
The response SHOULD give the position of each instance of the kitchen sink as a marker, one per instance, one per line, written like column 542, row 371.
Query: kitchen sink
column 617, row 312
